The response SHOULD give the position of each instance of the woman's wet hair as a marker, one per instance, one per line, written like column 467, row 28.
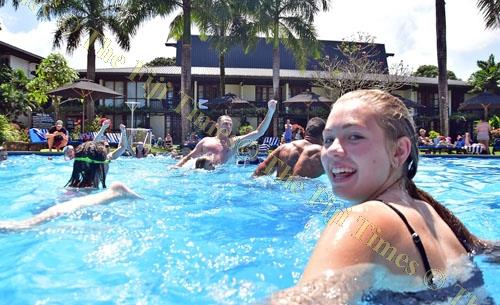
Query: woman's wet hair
column 394, row 118
column 89, row 167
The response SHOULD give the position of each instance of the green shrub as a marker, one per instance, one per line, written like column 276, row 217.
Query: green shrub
column 11, row 132
column 245, row 129
column 433, row 134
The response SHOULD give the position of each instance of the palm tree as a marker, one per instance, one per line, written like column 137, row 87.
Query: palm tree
column 15, row 3
column 77, row 18
column 487, row 78
column 491, row 12
column 141, row 10
column 442, row 69
column 289, row 22
column 225, row 25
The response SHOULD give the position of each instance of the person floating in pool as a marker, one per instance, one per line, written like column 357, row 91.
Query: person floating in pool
column 298, row 158
column 69, row 151
column 251, row 157
column 223, row 146
column 3, row 154
column 115, row 192
column 395, row 237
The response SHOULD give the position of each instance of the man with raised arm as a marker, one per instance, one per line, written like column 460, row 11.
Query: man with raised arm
column 222, row 147
column 298, row 158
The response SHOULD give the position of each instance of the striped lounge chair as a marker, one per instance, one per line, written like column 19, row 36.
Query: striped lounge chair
column 113, row 138
column 273, row 142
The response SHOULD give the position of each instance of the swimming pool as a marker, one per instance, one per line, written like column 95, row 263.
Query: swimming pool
column 198, row 237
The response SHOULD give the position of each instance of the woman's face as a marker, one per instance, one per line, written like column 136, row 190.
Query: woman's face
column 354, row 153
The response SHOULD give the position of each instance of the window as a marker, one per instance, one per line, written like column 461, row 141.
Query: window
column 208, row 91
column 298, row 90
column 113, row 102
column 265, row 93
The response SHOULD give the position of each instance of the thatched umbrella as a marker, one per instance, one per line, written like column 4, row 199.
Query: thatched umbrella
column 307, row 98
column 485, row 101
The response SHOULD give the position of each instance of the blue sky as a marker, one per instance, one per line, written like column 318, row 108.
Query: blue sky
column 406, row 27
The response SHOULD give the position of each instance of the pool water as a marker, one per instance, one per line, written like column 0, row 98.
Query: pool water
column 198, row 237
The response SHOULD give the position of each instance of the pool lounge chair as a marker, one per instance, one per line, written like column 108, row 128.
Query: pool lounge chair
column 37, row 135
column 263, row 150
column 496, row 145
column 273, row 142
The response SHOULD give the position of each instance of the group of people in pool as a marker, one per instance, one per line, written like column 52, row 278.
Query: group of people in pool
column 368, row 150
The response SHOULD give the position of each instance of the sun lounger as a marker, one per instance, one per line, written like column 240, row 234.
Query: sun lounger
column 113, row 138
column 263, row 150
column 273, row 142
column 38, row 135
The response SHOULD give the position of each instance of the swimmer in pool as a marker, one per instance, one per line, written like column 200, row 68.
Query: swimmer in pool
column 115, row 192
column 223, row 146
column 69, row 151
column 394, row 232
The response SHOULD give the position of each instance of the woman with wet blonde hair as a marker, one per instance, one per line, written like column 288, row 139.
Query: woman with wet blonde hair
column 395, row 238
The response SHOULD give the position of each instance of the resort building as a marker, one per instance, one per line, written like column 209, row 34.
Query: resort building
column 249, row 76
column 17, row 58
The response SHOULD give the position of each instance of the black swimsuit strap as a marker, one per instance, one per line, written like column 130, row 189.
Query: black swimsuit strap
column 418, row 243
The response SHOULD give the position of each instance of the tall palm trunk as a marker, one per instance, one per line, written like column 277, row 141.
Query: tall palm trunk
column 441, row 58
column 222, row 77
column 186, row 70
column 90, row 75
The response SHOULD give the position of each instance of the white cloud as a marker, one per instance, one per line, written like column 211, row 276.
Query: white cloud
column 407, row 28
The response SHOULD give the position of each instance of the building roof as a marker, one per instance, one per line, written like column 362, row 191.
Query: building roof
column 8, row 49
column 204, row 55
column 249, row 73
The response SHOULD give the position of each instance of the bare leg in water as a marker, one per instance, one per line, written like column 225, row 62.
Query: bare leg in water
column 115, row 192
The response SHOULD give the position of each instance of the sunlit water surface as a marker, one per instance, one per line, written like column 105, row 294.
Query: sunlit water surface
column 198, row 237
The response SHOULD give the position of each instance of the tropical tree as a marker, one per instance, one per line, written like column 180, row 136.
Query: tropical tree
column 139, row 11
column 77, row 18
column 290, row 22
column 14, row 99
column 491, row 12
column 161, row 62
column 54, row 71
column 487, row 78
column 359, row 69
column 432, row 71
column 225, row 25
column 442, row 70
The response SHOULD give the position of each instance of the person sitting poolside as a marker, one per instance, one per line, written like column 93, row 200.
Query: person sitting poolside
column 115, row 192
column 298, row 158
column 223, row 146
column 423, row 140
column 394, row 231
column 57, row 136
column 69, row 151
column 3, row 154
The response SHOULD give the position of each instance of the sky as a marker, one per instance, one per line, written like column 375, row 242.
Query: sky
column 406, row 27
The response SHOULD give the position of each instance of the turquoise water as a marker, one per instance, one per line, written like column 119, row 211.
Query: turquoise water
column 198, row 237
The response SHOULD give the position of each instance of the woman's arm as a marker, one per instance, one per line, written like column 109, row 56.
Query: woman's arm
column 122, row 146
